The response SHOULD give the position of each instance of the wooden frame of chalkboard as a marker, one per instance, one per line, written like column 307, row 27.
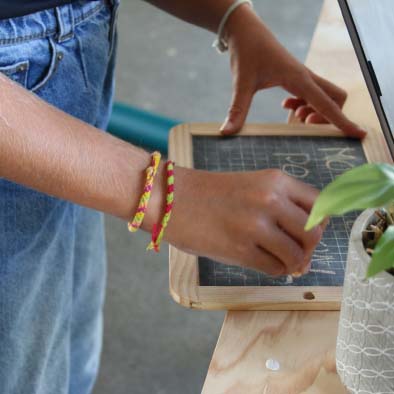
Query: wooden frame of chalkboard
column 183, row 267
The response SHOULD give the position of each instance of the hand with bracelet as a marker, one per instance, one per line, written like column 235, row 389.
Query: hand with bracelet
column 253, row 219
column 259, row 61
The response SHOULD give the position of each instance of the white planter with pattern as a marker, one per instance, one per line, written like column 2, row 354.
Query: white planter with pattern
column 365, row 345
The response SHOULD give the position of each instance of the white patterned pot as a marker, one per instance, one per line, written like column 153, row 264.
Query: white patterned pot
column 365, row 345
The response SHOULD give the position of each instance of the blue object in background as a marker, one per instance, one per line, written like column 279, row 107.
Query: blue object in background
column 141, row 128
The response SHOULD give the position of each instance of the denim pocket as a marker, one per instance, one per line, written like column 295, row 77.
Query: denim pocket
column 32, row 63
column 17, row 72
column 44, row 65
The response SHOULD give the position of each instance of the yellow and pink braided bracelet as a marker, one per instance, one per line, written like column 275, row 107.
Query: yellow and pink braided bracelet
column 151, row 172
column 158, row 230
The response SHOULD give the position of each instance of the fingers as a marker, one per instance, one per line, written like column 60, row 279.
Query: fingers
column 303, row 112
column 306, row 114
column 242, row 98
column 293, row 103
column 328, row 108
column 281, row 246
column 293, row 223
column 335, row 92
column 320, row 101
column 262, row 260
column 315, row 118
column 302, row 194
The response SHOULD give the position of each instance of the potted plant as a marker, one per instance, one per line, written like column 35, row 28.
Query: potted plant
column 365, row 343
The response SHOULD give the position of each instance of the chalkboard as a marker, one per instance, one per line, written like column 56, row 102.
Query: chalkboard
column 315, row 160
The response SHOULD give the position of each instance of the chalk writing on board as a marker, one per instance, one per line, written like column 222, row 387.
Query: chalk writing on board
column 339, row 159
column 322, row 253
column 335, row 159
column 322, row 271
column 295, row 164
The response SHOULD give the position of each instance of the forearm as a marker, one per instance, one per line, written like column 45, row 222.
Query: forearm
column 50, row 151
column 204, row 13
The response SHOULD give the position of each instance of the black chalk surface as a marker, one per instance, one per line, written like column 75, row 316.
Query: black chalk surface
column 315, row 160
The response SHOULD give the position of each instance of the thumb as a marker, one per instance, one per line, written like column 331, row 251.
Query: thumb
column 242, row 98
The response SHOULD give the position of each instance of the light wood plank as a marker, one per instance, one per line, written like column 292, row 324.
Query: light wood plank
column 268, row 298
column 273, row 129
column 301, row 342
column 180, row 145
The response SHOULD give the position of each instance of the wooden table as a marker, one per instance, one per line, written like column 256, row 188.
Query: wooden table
column 303, row 343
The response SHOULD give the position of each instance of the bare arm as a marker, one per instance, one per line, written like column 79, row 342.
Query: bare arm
column 234, row 218
column 48, row 150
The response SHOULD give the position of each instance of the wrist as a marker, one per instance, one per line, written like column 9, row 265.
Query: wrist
column 237, row 20
column 190, row 186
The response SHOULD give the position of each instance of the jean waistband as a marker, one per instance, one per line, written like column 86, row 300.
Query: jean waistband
column 59, row 22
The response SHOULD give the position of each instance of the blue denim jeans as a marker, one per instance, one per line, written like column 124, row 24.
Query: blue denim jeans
column 52, row 252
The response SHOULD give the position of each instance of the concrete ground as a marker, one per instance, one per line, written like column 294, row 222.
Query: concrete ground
column 151, row 344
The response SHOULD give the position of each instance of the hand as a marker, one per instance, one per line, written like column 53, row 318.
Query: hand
column 259, row 61
column 252, row 219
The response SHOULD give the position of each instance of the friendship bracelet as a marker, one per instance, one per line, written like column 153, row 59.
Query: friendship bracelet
column 220, row 43
column 158, row 230
column 151, row 171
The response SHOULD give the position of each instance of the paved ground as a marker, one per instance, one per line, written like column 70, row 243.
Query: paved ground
column 151, row 344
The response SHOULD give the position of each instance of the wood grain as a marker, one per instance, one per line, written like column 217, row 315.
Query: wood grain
column 267, row 129
column 302, row 343
column 180, row 145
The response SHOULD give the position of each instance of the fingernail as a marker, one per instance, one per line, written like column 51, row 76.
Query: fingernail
column 224, row 125
column 297, row 274
column 227, row 127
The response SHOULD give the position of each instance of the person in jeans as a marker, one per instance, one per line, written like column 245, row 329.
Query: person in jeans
column 57, row 173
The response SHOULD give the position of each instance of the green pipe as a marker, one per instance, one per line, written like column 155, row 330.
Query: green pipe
column 142, row 128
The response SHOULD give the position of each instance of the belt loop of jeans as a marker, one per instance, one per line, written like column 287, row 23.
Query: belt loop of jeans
column 114, row 18
column 65, row 22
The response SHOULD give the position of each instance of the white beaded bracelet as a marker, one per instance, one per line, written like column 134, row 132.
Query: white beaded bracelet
column 220, row 43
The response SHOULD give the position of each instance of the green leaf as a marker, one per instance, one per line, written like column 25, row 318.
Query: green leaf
column 383, row 254
column 366, row 186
